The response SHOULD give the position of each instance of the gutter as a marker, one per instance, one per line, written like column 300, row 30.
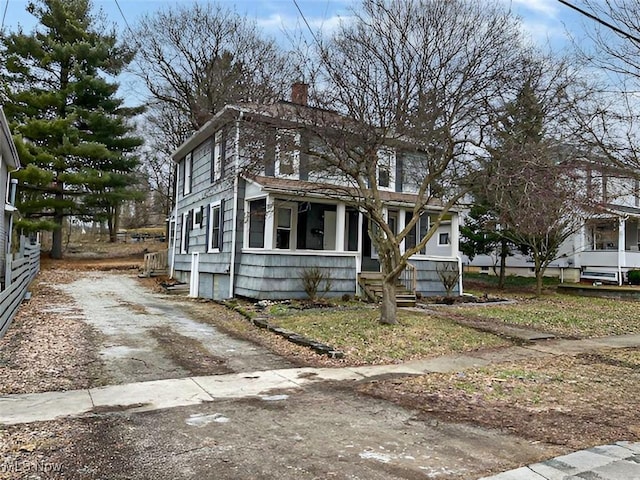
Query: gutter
column 236, row 174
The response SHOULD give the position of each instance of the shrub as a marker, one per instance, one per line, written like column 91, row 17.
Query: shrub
column 346, row 297
column 312, row 277
column 634, row 277
column 449, row 275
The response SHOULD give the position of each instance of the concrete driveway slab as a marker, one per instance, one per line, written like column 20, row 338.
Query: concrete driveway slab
column 150, row 395
column 37, row 407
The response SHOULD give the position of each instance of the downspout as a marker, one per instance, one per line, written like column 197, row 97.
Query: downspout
column 232, row 266
column 175, row 223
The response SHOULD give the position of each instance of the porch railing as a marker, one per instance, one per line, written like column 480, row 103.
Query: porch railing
column 408, row 278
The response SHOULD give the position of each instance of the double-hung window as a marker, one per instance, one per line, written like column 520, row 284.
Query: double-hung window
column 287, row 153
column 216, row 223
column 386, row 168
column 188, row 171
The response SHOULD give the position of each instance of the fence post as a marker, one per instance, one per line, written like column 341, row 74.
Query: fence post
column 7, row 270
column 23, row 242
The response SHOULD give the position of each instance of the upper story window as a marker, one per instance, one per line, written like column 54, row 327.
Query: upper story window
column 287, row 153
column 386, row 169
column 219, row 155
column 188, row 171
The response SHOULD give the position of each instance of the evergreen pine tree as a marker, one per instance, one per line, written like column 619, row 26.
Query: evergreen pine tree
column 72, row 132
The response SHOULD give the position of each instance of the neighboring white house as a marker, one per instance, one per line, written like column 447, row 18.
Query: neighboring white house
column 252, row 234
column 604, row 248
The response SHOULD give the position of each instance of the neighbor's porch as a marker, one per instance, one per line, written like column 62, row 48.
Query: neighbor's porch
column 611, row 248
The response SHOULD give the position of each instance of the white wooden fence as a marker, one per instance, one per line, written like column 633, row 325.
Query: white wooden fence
column 21, row 268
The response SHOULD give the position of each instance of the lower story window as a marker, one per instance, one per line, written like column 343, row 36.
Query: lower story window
column 283, row 230
column 257, row 213
column 443, row 239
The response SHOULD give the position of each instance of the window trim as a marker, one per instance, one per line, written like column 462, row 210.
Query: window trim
column 294, row 153
column 386, row 158
column 218, row 154
column 293, row 224
column 247, row 223
column 187, row 179
column 214, row 237
column 448, row 243
column 184, row 233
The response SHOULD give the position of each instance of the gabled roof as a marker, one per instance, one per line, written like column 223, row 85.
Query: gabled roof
column 323, row 190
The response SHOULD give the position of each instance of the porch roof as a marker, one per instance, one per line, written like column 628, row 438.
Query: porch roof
column 622, row 210
column 323, row 190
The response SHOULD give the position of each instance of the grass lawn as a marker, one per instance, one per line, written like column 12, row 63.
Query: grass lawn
column 567, row 315
column 357, row 332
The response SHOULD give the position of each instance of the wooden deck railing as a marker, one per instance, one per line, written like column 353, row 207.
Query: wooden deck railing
column 155, row 263
column 20, row 269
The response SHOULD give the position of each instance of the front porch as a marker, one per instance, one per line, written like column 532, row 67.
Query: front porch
column 611, row 248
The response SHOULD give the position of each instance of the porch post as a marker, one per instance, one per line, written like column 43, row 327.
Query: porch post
column 621, row 247
column 401, row 224
column 269, row 222
column 341, row 210
column 455, row 234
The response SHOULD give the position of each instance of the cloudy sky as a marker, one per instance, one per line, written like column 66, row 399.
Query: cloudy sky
column 546, row 21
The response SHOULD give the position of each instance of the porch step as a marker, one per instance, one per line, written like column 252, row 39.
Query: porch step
column 371, row 282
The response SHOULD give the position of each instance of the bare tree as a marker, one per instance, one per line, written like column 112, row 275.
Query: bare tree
column 200, row 57
column 417, row 76
column 533, row 180
column 612, row 52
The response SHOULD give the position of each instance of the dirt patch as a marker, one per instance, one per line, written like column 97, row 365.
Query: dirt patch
column 577, row 401
column 319, row 433
column 48, row 346
column 189, row 353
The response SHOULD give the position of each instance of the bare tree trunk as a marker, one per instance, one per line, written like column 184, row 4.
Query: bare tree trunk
column 114, row 220
column 504, row 252
column 58, row 218
column 388, row 307
column 539, row 273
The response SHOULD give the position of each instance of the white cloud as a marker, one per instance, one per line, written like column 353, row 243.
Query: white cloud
column 544, row 7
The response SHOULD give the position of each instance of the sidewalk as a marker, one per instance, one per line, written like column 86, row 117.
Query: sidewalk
column 620, row 461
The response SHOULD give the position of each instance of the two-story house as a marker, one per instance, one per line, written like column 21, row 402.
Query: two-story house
column 253, row 210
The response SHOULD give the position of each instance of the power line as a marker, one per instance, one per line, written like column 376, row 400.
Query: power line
column 124, row 18
column 602, row 22
column 4, row 15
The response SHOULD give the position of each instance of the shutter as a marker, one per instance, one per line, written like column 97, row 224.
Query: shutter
column 212, row 159
column 181, row 166
column 223, row 152
column 188, row 228
column 206, row 222
column 221, row 226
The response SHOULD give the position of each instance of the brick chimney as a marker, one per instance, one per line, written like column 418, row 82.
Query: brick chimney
column 300, row 93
